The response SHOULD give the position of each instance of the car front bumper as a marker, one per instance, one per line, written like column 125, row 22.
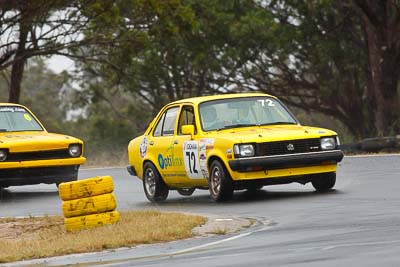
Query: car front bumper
column 286, row 161
column 46, row 175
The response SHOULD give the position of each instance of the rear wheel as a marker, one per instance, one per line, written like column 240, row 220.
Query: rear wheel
column 220, row 183
column 154, row 187
column 324, row 182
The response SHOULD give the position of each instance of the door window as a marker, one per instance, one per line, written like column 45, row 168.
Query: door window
column 166, row 125
column 186, row 118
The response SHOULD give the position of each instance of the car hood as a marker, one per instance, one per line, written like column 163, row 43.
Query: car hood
column 272, row 133
column 35, row 141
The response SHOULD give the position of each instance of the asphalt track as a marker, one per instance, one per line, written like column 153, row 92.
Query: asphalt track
column 357, row 224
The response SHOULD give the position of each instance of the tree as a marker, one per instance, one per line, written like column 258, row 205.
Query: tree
column 338, row 58
column 45, row 90
column 186, row 48
column 42, row 28
column 381, row 24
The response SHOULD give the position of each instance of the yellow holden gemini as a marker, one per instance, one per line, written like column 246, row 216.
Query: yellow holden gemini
column 86, row 188
column 89, row 205
column 231, row 142
column 89, row 221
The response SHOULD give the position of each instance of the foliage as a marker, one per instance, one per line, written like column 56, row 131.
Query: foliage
column 184, row 51
column 314, row 55
column 43, row 28
column 321, row 56
column 45, row 91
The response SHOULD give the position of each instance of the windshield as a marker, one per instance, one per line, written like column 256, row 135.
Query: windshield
column 242, row 112
column 17, row 119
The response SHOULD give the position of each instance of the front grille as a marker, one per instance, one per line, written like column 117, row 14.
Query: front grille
column 288, row 147
column 38, row 155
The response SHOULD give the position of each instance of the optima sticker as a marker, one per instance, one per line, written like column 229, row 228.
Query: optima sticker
column 169, row 161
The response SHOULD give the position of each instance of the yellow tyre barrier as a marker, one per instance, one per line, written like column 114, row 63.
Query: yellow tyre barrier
column 89, row 205
column 86, row 188
column 89, row 221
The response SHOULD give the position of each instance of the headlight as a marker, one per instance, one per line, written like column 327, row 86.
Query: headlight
column 3, row 155
column 328, row 143
column 246, row 150
column 75, row 150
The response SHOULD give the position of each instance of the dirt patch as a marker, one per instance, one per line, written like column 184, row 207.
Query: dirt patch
column 25, row 228
column 222, row 225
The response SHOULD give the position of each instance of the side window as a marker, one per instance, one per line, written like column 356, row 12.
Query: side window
column 158, row 130
column 186, row 118
column 166, row 125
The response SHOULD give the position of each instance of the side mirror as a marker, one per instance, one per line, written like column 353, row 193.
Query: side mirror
column 188, row 130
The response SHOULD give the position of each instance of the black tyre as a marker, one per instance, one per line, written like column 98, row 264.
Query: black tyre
column 186, row 191
column 220, row 183
column 324, row 182
column 154, row 187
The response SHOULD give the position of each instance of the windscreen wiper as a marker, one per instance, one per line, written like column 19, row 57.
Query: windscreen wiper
column 238, row 125
column 278, row 123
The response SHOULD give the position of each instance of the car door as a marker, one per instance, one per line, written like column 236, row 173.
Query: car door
column 187, row 148
column 161, row 143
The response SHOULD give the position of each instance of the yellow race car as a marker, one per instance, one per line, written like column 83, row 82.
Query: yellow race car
column 231, row 142
column 31, row 155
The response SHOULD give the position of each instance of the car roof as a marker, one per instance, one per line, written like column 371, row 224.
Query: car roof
column 11, row 104
column 200, row 99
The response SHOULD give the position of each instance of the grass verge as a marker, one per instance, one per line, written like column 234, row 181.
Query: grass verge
column 40, row 237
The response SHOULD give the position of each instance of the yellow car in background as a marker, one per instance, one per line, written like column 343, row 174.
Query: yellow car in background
column 31, row 155
column 231, row 142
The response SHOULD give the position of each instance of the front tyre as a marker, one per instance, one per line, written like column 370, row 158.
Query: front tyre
column 220, row 183
column 324, row 181
column 154, row 187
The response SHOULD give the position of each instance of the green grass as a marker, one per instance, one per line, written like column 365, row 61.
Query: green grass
column 40, row 237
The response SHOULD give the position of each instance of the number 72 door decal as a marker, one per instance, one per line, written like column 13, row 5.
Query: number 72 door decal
column 191, row 159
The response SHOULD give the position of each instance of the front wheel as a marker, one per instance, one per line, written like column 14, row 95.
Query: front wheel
column 220, row 183
column 154, row 187
column 324, row 181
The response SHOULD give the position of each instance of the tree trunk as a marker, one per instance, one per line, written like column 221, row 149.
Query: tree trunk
column 384, row 68
column 16, row 78
column 17, row 69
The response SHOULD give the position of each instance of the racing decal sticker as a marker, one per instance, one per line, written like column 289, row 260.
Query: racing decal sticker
column 191, row 160
column 12, row 109
column 27, row 117
column 169, row 161
column 205, row 144
column 143, row 147
column 20, row 136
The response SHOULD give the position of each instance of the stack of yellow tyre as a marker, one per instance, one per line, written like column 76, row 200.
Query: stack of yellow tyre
column 88, row 203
